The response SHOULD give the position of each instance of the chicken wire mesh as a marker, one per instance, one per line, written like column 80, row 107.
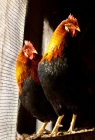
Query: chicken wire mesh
column 12, row 17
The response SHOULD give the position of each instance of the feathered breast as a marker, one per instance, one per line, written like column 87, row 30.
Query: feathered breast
column 34, row 73
column 22, row 69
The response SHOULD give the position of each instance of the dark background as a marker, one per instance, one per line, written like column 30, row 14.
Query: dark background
column 55, row 12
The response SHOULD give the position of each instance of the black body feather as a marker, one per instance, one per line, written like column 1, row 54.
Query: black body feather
column 34, row 100
column 64, row 80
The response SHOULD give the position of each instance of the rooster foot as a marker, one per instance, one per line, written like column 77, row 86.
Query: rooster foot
column 71, row 129
column 39, row 135
column 60, row 133
column 49, row 135
column 52, row 134
column 56, row 127
column 47, row 131
column 34, row 137
column 69, row 132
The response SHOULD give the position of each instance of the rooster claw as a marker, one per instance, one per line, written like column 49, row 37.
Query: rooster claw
column 34, row 137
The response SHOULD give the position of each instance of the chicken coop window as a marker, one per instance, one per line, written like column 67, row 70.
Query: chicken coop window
column 12, row 17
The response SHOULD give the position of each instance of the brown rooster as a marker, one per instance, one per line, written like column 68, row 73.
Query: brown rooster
column 61, row 75
column 30, row 91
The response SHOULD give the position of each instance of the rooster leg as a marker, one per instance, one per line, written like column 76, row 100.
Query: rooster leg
column 42, row 129
column 39, row 132
column 71, row 129
column 57, row 125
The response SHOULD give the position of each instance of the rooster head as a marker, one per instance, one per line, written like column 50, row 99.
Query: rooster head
column 29, row 50
column 71, row 25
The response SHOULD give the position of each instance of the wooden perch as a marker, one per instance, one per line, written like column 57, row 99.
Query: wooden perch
column 84, row 134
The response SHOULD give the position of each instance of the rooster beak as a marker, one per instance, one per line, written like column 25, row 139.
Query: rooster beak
column 78, row 29
column 34, row 51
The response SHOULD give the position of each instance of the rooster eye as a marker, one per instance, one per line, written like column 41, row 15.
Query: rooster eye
column 27, row 50
column 66, row 28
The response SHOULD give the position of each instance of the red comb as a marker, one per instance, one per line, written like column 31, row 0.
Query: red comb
column 71, row 17
column 28, row 43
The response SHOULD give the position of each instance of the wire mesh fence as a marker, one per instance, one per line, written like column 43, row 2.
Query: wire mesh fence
column 12, row 18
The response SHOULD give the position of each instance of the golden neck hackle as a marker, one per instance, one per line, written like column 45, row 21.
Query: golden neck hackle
column 56, row 44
